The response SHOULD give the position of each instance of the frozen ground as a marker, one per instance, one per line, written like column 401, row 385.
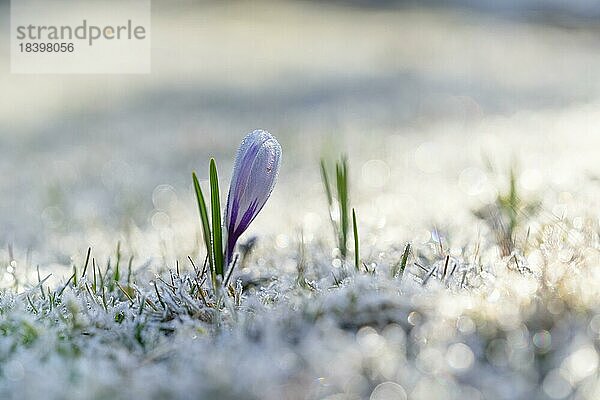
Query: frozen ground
column 420, row 100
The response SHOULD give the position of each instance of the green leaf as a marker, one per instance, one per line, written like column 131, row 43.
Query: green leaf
column 327, row 186
column 356, row 244
column 325, row 179
column 341, row 170
column 216, row 218
column 205, row 224
column 117, row 274
column 400, row 267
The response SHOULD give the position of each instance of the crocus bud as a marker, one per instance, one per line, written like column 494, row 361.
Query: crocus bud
column 254, row 174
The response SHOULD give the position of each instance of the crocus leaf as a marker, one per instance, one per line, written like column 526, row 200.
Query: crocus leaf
column 205, row 224
column 215, row 201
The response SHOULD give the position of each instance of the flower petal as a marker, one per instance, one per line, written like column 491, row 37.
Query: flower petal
column 254, row 174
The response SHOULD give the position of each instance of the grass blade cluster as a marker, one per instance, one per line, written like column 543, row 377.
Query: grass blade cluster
column 339, row 207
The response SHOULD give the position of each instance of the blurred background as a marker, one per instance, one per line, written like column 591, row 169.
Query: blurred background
column 418, row 94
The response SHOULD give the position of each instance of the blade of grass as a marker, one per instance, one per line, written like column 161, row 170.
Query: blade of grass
column 229, row 273
column 463, row 280
column 342, row 189
column 216, row 218
column 328, row 192
column 513, row 200
column 40, row 283
column 66, row 285
column 50, row 299
column 125, row 293
column 129, row 270
column 117, row 274
column 104, row 298
column 87, row 260
column 101, row 278
column 399, row 269
column 326, row 183
column 31, row 304
column 109, row 276
column 205, row 225
column 160, row 300
column 94, row 268
column 445, row 267
column 356, row 244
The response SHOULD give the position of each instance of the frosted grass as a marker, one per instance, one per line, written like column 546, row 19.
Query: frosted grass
column 453, row 316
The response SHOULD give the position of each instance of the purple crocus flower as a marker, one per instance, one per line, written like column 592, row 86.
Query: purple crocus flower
column 254, row 174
